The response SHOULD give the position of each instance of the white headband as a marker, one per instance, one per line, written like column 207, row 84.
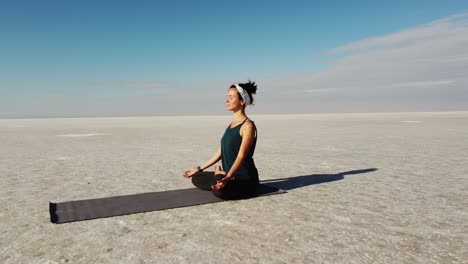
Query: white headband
column 244, row 94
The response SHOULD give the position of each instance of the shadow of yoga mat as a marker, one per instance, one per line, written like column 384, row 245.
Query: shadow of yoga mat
column 138, row 203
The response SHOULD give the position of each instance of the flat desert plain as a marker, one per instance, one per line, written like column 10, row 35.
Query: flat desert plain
column 361, row 188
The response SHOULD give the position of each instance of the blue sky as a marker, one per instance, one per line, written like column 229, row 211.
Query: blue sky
column 127, row 58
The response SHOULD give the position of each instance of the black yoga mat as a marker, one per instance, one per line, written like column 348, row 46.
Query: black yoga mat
column 137, row 203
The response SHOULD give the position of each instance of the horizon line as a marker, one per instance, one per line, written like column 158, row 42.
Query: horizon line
column 216, row 115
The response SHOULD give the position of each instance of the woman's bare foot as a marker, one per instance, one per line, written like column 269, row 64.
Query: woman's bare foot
column 217, row 169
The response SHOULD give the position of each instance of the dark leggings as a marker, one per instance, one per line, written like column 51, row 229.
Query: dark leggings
column 235, row 189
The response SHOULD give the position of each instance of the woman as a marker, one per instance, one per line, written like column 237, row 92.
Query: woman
column 238, row 177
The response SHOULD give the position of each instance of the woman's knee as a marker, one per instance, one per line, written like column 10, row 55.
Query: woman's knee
column 204, row 180
column 235, row 190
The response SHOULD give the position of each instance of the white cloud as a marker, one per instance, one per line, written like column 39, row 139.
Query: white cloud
column 447, row 26
column 425, row 84
column 425, row 66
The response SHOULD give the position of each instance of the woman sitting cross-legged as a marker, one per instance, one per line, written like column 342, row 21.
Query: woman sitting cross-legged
column 238, row 177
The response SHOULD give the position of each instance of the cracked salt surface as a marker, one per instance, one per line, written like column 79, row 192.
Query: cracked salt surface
column 82, row 135
column 410, row 209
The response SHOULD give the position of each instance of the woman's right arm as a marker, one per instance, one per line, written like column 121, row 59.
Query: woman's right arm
column 216, row 157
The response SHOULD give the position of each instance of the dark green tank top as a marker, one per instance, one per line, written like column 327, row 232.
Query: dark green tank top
column 230, row 145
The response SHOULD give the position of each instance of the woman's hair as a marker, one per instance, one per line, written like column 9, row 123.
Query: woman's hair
column 250, row 87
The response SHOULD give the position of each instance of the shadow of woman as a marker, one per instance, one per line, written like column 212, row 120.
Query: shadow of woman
column 306, row 180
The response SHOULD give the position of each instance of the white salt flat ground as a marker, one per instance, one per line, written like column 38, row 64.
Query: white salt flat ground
column 362, row 188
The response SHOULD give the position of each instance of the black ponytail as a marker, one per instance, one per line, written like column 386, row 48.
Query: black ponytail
column 251, row 89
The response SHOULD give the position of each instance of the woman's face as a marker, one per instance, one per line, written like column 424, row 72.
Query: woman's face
column 233, row 102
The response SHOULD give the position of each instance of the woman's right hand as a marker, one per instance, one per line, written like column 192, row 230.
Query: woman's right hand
column 190, row 172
